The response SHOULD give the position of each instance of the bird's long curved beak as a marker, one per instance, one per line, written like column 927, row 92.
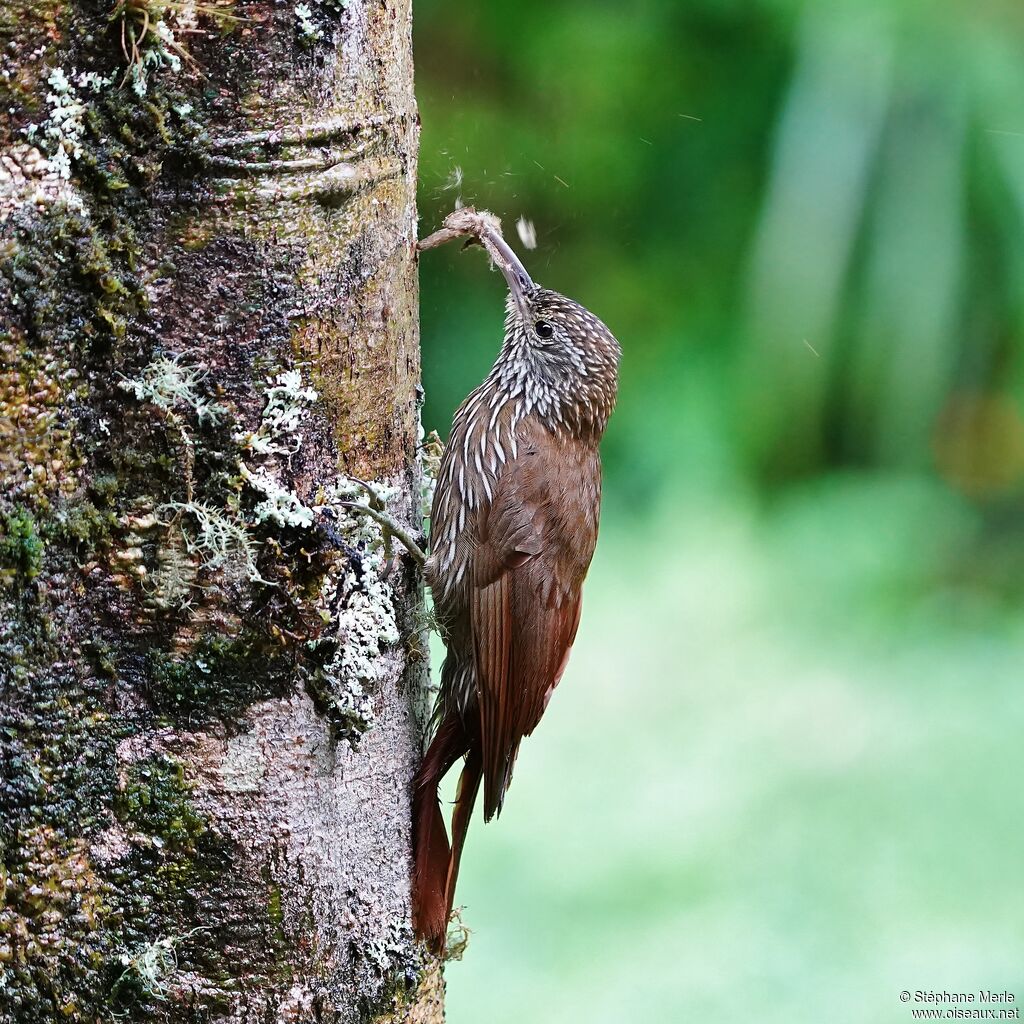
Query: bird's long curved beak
column 520, row 284
column 486, row 228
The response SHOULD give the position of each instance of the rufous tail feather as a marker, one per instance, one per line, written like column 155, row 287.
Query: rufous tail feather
column 469, row 785
column 435, row 863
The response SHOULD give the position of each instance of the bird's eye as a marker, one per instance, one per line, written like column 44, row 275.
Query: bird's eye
column 543, row 329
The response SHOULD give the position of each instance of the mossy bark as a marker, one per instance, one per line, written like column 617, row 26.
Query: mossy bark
column 204, row 793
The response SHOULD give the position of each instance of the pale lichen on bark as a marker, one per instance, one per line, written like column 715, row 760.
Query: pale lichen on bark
column 193, row 827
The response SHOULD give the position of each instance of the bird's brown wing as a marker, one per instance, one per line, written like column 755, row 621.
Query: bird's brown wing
column 534, row 546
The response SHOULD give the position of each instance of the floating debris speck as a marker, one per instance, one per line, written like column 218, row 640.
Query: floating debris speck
column 527, row 233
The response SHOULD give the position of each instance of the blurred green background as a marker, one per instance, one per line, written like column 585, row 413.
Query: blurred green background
column 781, row 777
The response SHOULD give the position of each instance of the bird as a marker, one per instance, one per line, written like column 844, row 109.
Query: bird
column 513, row 528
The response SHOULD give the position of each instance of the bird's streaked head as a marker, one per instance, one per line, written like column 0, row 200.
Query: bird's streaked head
column 564, row 356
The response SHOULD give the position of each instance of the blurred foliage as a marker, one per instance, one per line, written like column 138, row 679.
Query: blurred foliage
column 776, row 778
column 803, row 221
column 779, row 782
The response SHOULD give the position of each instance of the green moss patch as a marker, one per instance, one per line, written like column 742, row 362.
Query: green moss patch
column 21, row 550
column 220, row 677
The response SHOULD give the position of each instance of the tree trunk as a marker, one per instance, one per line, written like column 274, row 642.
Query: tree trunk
column 210, row 689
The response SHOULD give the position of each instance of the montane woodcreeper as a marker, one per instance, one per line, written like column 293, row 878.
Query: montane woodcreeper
column 512, row 531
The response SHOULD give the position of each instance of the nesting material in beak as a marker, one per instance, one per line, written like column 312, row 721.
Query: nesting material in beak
column 485, row 228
